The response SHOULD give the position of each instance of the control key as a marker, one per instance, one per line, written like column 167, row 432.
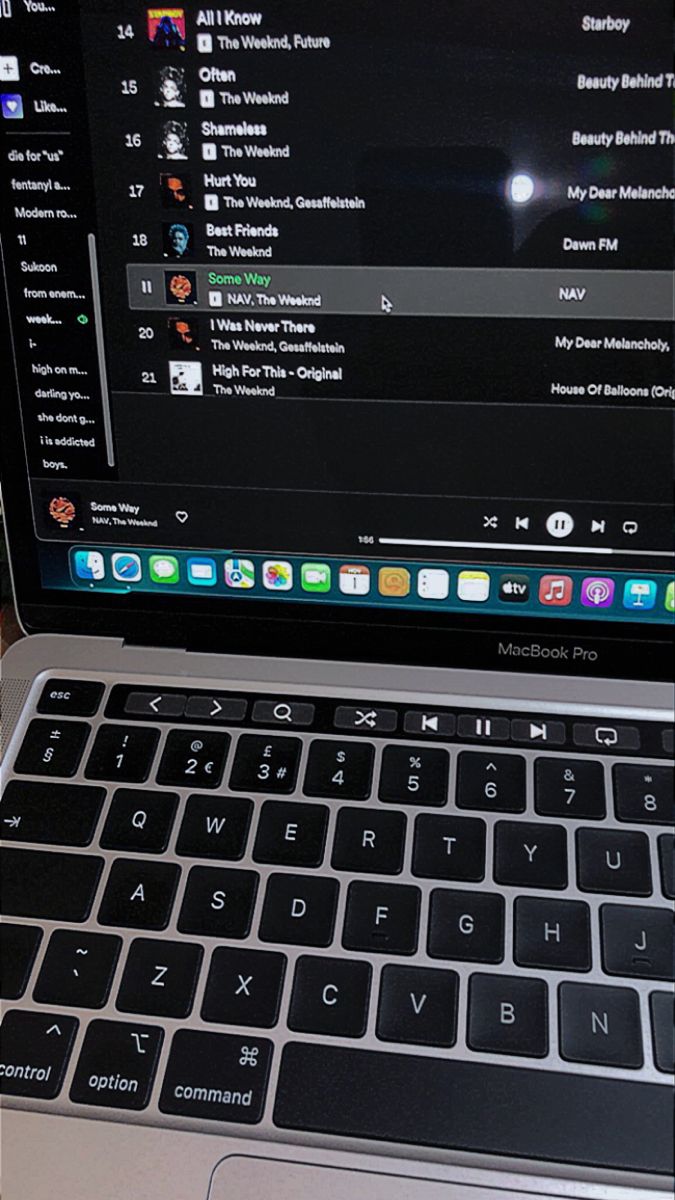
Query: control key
column 35, row 1052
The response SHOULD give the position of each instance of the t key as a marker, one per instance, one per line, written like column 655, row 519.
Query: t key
column 492, row 782
column 193, row 759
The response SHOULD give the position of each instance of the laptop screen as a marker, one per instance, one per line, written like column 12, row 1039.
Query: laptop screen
column 354, row 309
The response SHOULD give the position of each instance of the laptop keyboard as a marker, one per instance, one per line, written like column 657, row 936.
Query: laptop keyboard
column 452, row 914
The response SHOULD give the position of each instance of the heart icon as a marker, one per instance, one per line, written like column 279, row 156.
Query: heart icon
column 182, row 517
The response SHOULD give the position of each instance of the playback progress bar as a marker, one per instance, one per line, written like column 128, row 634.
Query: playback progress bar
column 540, row 547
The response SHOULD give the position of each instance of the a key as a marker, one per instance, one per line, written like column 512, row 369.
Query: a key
column 52, row 748
column 600, row 1025
column 159, row 978
column 77, row 969
column 117, row 1065
column 122, row 753
column 244, row 987
column 369, row 840
column 414, row 775
column 569, row 787
column 214, row 827
column 36, row 1047
column 667, row 864
column 552, row 934
column 449, row 847
column 491, row 782
column 59, row 814
column 291, row 835
column 661, row 1007
column 530, row 855
column 43, row 883
column 217, row 1076
column 218, row 902
column 637, row 941
column 508, row 1014
column 468, row 926
column 330, row 996
column 138, row 894
column 613, row 861
column 193, row 758
column 299, row 910
column 382, row 918
column 139, row 820
column 265, row 764
column 644, row 794
column 418, row 1005
column 339, row 770
column 70, row 697
column 18, row 947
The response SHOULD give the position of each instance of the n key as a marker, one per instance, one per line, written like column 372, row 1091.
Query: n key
column 600, row 1025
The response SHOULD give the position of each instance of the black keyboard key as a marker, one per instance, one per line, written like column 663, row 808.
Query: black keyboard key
column 613, row 861
column 155, row 704
column 330, row 996
column 600, row 1025
column 474, row 1106
column 70, row 697
column 491, row 782
column 644, row 794
column 43, row 883
column 244, row 987
column 193, row 759
column 411, row 775
column 117, row 1065
column 291, row 835
column 218, row 902
column 52, row 748
column 217, row 1076
column 139, row 820
column 449, row 847
column 418, row 1005
column 35, row 1050
column 122, row 753
column 508, row 1014
column 18, row 947
column 77, row 969
column 667, row 864
column 552, row 934
column 365, row 719
column 339, row 770
column 214, row 827
column 299, row 910
column 139, row 895
column 569, row 787
column 662, row 1010
column 382, row 918
column 369, row 840
column 637, row 941
column 468, row 926
column 530, row 855
column 265, row 764
column 58, row 814
column 160, row 978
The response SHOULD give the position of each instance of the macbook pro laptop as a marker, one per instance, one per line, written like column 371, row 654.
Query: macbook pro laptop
column 337, row 381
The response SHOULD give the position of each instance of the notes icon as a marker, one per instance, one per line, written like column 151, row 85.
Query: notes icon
column 556, row 590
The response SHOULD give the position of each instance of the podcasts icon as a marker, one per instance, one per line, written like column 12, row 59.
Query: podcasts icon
column 597, row 592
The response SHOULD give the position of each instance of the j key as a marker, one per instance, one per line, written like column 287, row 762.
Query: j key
column 214, row 827
column 244, row 987
column 330, row 996
column 569, row 787
column 70, row 697
column 661, row 1005
column 52, row 748
column 339, row 770
column 139, row 820
column 554, row 934
column 644, row 794
column 609, row 860
column 122, row 752
column 61, row 814
column 468, row 926
column 600, row 1025
column 508, row 1015
column 117, row 1065
column 210, row 1076
column 491, row 782
column 411, row 775
column 637, row 941
column 667, row 864
column 418, row 1005
column 18, row 947
column 292, row 835
column 139, row 895
column 77, row 969
column 449, row 847
column 36, row 1047
column 529, row 855
column 299, row 910
column 193, row 759
column 43, row 883
column 382, row 918
column 218, row 902
column 265, row 764
column 160, row 978
column 368, row 840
